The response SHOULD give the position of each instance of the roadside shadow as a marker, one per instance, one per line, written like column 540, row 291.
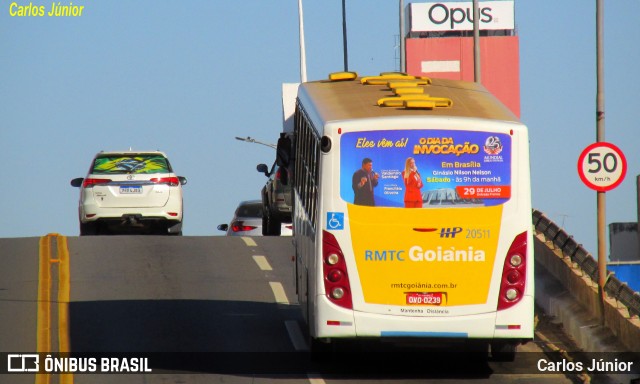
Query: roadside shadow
column 238, row 338
column 178, row 326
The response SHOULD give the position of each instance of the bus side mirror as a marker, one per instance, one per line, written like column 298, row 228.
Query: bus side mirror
column 283, row 151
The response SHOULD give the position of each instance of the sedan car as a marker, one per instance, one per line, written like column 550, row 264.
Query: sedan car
column 130, row 191
column 247, row 221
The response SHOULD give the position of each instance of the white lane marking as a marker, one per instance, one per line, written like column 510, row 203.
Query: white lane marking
column 315, row 378
column 295, row 334
column 278, row 292
column 262, row 262
column 249, row 241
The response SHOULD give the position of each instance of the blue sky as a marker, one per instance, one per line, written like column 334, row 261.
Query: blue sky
column 187, row 77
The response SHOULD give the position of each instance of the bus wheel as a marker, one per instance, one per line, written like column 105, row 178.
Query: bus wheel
column 503, row 351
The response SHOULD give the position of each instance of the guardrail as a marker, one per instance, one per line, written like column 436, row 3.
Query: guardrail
column 577, row 254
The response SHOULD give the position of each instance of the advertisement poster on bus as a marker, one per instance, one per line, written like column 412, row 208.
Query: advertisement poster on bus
column 426, row 206
column 452, row 168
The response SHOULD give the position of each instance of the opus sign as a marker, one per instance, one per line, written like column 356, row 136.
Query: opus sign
column 450, row 16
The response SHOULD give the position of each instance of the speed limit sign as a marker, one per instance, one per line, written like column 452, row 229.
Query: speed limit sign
column 602, row 166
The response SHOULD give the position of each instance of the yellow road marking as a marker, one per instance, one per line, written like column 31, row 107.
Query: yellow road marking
column 262, row 262
column 278, row 293
column 46, row 263
column 249, row 241
column 63, row 294
column 64, row 297
column 43, row 335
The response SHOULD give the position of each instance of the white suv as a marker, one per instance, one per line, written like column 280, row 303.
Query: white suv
column 130, row 190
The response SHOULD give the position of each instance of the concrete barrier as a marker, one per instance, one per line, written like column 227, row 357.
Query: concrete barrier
column 565, row 290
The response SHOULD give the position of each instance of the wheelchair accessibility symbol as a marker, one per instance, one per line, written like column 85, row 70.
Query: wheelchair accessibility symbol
column 335, row 220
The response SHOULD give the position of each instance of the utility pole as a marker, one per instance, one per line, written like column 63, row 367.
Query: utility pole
column 249, row 139
column 303, row 54
column 344, row 36
column 403, row 65
column 601, row 196
column 476, row 42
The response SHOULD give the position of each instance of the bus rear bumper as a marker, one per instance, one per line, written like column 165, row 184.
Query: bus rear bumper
column 515, row 323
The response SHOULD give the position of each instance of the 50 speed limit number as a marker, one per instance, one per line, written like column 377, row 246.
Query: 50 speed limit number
column 602, row 166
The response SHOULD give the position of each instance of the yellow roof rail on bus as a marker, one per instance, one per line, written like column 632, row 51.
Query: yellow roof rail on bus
column 392, row 73
column 434, row 102
column 408, row 91
column 398, row 101
column 385, row 79
column 343, row 76
column 408, row 83
column 415, row 101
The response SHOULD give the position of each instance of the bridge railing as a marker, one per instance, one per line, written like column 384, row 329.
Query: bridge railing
column 614, row 288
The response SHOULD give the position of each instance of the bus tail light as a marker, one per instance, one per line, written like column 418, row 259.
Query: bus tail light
column 514, row 273
column 334, row 271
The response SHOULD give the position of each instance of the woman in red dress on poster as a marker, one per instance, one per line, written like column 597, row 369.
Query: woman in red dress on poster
column 412, row 183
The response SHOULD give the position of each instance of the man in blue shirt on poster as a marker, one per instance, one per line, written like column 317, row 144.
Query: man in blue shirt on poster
column 363, row 182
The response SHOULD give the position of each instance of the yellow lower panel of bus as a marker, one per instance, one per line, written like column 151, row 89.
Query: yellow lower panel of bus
column 425, row 257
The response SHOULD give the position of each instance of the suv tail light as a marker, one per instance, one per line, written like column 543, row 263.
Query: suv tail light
column 282, row 175
column 336, row 279
column 89, row 182
column 171, row 181
column 514, row 273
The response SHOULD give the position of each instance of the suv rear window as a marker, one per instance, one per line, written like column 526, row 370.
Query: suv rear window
column 138, row 163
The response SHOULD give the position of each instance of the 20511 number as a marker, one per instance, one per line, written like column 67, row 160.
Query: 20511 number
column 478, row 233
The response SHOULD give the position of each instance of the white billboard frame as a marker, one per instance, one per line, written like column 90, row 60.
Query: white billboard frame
column 458, row 16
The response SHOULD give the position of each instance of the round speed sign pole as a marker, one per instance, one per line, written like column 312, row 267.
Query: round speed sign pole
column 602, row 167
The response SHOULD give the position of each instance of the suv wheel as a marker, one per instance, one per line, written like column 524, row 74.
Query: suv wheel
column 88, row 229
column 174, row 229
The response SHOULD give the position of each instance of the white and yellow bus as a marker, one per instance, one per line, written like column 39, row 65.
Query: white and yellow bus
column 371, row 261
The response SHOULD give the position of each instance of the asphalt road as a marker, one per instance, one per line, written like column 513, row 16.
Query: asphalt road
column 202, row 309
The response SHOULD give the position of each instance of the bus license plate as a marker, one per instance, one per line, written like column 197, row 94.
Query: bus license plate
column 131, row 190
column 424, row 298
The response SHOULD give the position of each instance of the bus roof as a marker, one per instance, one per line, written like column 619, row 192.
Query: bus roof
column 346, row 100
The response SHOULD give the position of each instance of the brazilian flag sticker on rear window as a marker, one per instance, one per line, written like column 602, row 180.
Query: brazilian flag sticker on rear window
column 130, row 164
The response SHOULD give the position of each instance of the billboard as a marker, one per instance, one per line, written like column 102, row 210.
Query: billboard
column 458, row 16
column 452, row 58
